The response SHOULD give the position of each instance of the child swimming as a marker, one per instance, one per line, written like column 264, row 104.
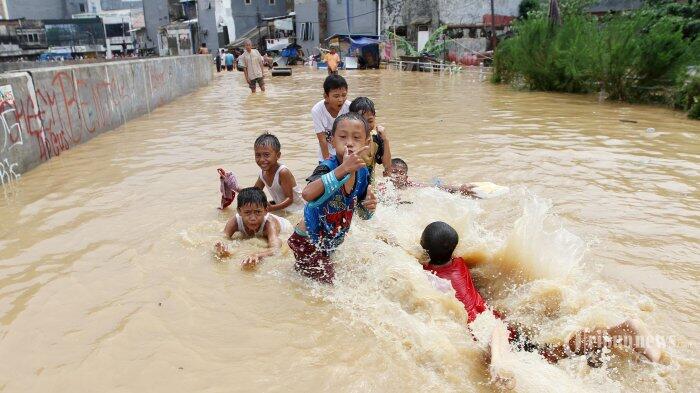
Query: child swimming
column 439, row 241
column 337, row 188
column 253, row 220
column 399, row 177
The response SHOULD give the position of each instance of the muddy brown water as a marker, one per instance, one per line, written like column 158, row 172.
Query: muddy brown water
column 108, row 283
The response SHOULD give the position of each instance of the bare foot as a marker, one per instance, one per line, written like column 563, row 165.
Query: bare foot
column 641, row 340
column 503, row 380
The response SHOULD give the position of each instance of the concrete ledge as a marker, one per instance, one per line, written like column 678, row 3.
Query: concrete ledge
column 46, row 111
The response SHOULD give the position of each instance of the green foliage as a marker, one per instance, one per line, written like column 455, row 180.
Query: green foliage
column 528, row 6
column 432, row 46
column 409, row 49
column 641, row 56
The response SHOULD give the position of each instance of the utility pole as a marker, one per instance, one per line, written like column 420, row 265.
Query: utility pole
column 493, row 28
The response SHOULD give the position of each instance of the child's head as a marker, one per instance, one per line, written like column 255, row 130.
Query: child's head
column 252, row 206
column 439, row 240
column 365, row 107
column 350, row 131
column 335, row 91
column 267, row 151
column 399, row 173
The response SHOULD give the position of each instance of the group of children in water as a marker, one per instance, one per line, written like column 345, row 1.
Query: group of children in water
column 351, row 143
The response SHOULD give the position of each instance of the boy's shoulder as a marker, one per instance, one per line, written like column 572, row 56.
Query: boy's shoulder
column 318, row 107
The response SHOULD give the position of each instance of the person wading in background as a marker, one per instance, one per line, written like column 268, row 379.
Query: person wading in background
column 253, row 67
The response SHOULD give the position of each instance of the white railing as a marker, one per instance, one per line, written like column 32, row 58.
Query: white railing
column 480, row 72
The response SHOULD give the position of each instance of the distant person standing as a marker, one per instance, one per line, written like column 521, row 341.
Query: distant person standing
column 219, row 59
column 333, row 61
column 229, row 61
column 203, row 50
column 253, row 67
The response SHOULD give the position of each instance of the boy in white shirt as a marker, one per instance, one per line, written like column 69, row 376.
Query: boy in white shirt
column 333, row 104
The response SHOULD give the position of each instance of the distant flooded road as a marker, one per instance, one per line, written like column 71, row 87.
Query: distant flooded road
column 108, row 282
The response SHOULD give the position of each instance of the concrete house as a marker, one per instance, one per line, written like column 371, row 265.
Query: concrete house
column 248, row 14
column 316, row 20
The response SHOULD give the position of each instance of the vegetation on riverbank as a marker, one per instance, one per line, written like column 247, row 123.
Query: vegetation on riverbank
column 650, row 55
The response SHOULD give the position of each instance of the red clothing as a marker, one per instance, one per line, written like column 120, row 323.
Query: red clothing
column 457, row 273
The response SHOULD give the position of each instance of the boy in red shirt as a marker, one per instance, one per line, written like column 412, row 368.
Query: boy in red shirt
column 439, row 240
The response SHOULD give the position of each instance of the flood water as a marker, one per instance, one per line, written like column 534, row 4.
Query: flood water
column 108, row 282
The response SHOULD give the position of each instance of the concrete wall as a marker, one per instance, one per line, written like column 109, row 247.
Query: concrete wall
column 247, row 16
column 407, row 12
column 36, row 9
column 307, row 11
column 362, row 17
column 207, row 25
column 55, row 109
column 155, row 13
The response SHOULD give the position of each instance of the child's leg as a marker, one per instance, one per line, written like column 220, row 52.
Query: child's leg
column 630, row 333
column 310, row 262
column 498, row 350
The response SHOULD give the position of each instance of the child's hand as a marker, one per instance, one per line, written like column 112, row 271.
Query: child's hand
column 370, row 202
column 250, row 262
column 221, row 250
column 382, row 132
column 353, row 162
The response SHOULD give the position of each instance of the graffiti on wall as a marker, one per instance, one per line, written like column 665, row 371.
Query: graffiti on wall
column 57, row 110
column 11, row 135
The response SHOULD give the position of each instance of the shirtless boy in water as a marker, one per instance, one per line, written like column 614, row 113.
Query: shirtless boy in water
column 439, row 241
column 253, row 220
column 399, row 177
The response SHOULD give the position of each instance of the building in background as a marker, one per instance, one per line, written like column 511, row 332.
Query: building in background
column 317, row 20
column 21, row 39
column 33, row 9
column 120, row 27
column 249, row 14
column 84, row 37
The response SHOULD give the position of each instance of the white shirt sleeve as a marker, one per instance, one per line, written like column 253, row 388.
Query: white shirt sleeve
column 317, row 116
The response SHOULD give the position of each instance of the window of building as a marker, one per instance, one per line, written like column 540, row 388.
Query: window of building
column 272, row 2
column 247, row 2
column 82, row 7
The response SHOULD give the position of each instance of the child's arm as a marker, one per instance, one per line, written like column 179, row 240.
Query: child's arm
column 259, row 184
column 350, row 165
column 231, row 228
column 323, row 144
column 464, row 189
column 272, row 231
column 288, row 183
column 320, row 134
column 367, row 205
column 386, row 157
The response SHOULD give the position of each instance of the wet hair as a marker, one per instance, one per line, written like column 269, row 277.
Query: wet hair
column 270, row 140
column 251, row 196
column 350, row 116
column 204, row 44
column 362, row 105
column 439, row 240
column 399, row 162
column 333, row 82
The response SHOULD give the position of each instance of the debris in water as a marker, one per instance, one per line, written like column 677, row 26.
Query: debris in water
column 651, row 130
